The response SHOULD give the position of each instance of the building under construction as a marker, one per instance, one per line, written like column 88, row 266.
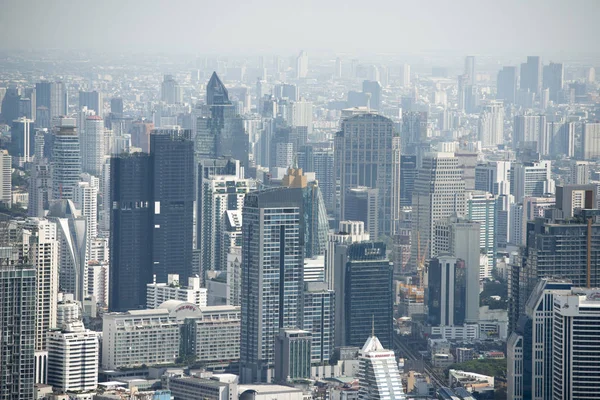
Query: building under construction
column 410, row 299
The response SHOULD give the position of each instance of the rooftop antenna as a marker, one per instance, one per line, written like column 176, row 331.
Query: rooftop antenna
column 373, row 325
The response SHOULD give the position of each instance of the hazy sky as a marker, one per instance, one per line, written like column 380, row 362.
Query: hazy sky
column 270, row 26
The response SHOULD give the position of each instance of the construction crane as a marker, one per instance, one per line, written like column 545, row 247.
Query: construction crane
column 421, row 260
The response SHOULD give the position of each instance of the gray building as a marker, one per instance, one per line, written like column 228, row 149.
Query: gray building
column 66, row 163
column 292, row 355
column 93, row 101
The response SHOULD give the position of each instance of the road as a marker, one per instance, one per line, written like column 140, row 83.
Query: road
column 413, row 354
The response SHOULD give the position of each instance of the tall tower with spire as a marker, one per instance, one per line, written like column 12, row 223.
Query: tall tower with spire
column 378, row 374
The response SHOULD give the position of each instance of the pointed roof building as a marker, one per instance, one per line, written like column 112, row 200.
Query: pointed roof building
column 378, row 374
column 216, row 92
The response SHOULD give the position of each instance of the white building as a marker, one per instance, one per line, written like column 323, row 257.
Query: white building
column 158, row 293
column 491, row 124
column 591, row 141
column 92, row 145
column 137, row 337
column 85, row 197
column 97, row 282
column 5, row 178
column 67, row 309
column 73, row 357
column 378, row 375
column 348, row 232
column 302, row 114
column 575, row 350
column 532, row 179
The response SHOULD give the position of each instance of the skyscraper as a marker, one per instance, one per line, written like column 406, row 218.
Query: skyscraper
column 364, row 293
column 93, row 101
column 481, row 207
column 367, row 152
column 591, row 140
column 491, row 124
column 531, row 179
column 116, row 106
column 374, row 88
column 222, row 134
column 321, row 162
column 529, row 129
column 170, row 91
column 131, row 231
column 378, row 374
column 272, row 276
column 92, row 146
column 22, row 141
column 348, row 232
column 318, row 317
column 553, row 79
column 506, row 85
column 531, row 75
column 414, row 130
column 5, row 178
column 53, row 97
column 408, row 174
column 302, row 65
column 17, row 325
column 446, row 291
column 439, row 192
column 470, row 69
column 66, row 162
column 172, row 157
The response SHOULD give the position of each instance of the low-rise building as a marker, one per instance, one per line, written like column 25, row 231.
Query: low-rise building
column 158, row 293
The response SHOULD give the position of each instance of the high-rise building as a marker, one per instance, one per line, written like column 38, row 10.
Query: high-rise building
column 481, row 207
column 531, row 179
column 170, row 91
column 172, row 157
column 302, row 65
column 493, row 177
column 414, row 130
column 571, row 198
column 364, row 293
column 93, row 101
column 491, row 124
column 85, row 198
column 446, row 291
column 590, row 141
column 405, row 75
column 529, row 129
column 575, row 331
column 378, row 374
column 53, row 97
column 506, row 89
column 439, row 193
column 367, row 153
column 347, row 233
column 130, row 231
column 553, row 79
column 17, row 326
column 272, row 276
column 220, row 193
column 318, row 317
column 292, row 354
column 92, row 146
column 222, row 134
column 5, row 178
column 73, row 357
column 529, row 347
column 373, row 88
column 22, row 142
column 580, row 173
column 408, row 174
column 470, row 69
column 66, row 162
column 531, row 75
column 40, row 189
column 11, row 105
column 116, row 106
column 321, row 162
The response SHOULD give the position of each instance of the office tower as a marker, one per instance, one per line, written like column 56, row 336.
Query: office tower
column 272, row 277
column 116, row 106
column 93, row 101
column 220, row 193
column 5, row 178
column 446, row 291
column 439, row 192
column 481, row 207
column 531, row 179
column 358, row 100
column 292, row 355
column 562, row 138
column 408, row 174
column 367, row 153
column 491, row 124
column 11, row 105
column 321, row 162
column 506, row 85
column 347, row 233
column 73, row 244
column 170, row 91
column 460, row 238
column 405, row 75
column 301, row 115
column 364, row 293
column 40, row 189
column 316, row 223
column 73, row 357
column 66, row 163
column 530, row 128
column 131, row 231
column 531, row 75
column 493, row 177
column 529, row 348
column 575, row 371
column 92, row 146
column 378, row 374
column 140, row 135
column 553, row 79
column 154, row 339
column 53, row 97
column 85, row 197
column 172, row 157
column 590, row 141
column 362, row 204
column 470, row 69
column 222, row 134
column 158, row 293
column 580, row 173
column 286, row 91
column 373, row 88
column 302, row 65
column 467, row 162
column 98, row 282
column 319, row 318
column 570, row 198
column 17, row 327
column 414, row 130
column 22, row 143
